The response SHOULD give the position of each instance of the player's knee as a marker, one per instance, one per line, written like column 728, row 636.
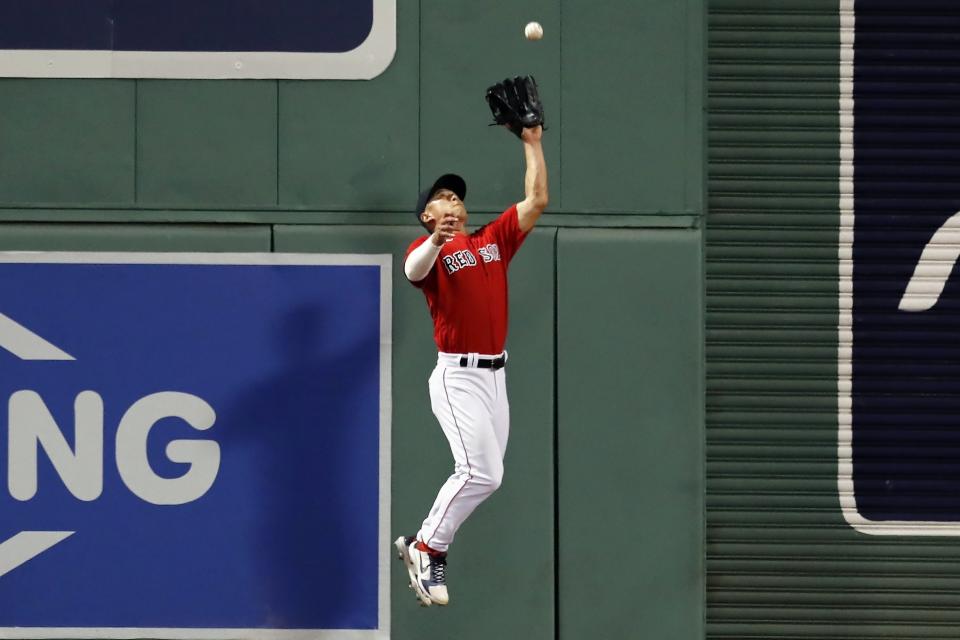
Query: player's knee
column 488, row 476
column 496, row 478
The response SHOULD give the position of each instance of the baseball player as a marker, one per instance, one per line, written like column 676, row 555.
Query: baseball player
column 464, row 279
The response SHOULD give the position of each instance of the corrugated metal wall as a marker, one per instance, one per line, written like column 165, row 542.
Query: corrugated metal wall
column 782, row 561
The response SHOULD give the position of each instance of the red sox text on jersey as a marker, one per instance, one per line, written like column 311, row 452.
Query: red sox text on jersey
column 464, row 258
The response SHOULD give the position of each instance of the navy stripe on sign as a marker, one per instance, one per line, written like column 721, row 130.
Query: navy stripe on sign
column 309, row 26
column 905, row 372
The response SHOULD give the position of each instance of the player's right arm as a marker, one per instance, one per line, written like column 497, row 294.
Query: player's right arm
column 419, row 261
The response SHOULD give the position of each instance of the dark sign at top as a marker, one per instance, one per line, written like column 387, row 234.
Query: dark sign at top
column 900, row 293
column 188, row 39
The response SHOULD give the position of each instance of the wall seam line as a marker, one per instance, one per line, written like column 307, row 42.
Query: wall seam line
column 136, row 141
column 556, row 433
column 277, row 138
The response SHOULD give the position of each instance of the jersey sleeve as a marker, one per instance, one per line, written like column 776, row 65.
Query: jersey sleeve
column 433, row 272
column 506, row 230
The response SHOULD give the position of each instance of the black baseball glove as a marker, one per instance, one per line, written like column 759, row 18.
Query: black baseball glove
column 516, row 104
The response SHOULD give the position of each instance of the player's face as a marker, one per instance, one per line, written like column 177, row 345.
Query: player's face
column 444, row 202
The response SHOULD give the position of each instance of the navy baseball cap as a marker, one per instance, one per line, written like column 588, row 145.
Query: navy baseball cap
column 447, row 181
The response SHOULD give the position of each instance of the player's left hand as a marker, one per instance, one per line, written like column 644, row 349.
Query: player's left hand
column 515, row 102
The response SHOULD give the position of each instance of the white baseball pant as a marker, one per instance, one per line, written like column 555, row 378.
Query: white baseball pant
column 471, row 405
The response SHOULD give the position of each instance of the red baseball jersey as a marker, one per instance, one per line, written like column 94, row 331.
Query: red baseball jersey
column 466, row 289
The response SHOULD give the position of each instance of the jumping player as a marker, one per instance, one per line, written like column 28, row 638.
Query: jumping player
column 464, row 279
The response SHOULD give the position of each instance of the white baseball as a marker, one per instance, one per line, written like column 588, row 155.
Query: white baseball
column 533, row 31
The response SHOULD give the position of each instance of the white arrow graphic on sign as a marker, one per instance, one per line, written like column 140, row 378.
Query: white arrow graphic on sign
column 934, row 267
column 27, row 345
column 27, row 545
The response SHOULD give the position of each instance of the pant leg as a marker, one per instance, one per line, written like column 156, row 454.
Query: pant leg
column 501, row 411
column 463, row 401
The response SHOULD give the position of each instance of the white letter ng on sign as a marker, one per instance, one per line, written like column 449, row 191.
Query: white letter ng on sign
column 32, row 426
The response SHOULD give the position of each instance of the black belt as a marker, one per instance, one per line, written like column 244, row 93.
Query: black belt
column 486, row 363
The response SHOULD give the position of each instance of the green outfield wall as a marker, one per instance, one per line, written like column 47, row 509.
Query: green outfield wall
column 598, row 530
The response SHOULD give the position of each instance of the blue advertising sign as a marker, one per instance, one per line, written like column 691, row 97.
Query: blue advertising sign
column 188, row 39
column 194, row 445
column 899, row 400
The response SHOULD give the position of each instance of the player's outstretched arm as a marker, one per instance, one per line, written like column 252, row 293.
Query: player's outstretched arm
column 535, row 182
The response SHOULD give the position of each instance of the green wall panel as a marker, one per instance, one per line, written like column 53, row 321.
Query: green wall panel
column 66, row 141
column 347, row 145
column 464, row 48
column 633, row 95
column 207, row 143
column 635, row 147
column 501, row 565
column 125, row 237
column 630, row 436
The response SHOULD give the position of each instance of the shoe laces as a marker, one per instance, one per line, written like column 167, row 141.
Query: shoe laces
column 438, row 569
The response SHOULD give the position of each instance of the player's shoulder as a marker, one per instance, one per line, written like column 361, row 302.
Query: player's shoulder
column 507, row 218
column 480, row 231
column 416, row 243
